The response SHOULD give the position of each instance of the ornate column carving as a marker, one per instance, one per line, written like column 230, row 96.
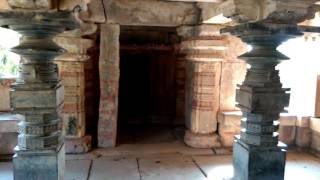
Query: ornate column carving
column 257, row 153
column 202, row 48
column 38, row 93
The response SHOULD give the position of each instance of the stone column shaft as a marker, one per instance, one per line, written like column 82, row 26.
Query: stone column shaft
column 109, row 84
column 257, row 153
column 72, row 66
column 202, row 48
column 38, row 93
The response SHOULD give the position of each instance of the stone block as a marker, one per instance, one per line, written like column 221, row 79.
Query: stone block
column 287, row 128
column 303, row 132
column 303, row 137
column 109, row 82
column 5, row 94
column 315, row 124
column 37, row 98
column 73, row 124
column 201, row 140
column 260, row 99
column 232, row 73
column 287, row 134
column 203, row 30
column 73, row 104
column 8, row 122
column 202, row 96
column 229, row 126
column 71, row 4
column 315, row 141
column 42, row 164
column 303, row 121
column 32, row 4
column 77, row 145
column 4, row 5
column 227, row 138
column 229, row 121
column 254, row 163
column 74, row 45
column 7, row 142
column 73, row 66
column 95, row 12
column 288, row 120
column 317, row 105
column 150, row 12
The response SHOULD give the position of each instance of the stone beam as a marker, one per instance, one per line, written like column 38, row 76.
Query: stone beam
column 151, row 12
column 278, row 11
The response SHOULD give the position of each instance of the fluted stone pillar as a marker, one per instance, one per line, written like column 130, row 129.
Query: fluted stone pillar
column 257, row 153
column 202, row 48
column 38, row 93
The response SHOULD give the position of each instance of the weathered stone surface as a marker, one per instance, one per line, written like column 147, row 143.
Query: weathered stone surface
column 232, row 73
column 197, row 140
column 37, row 93
column 49, row 164
column 32, row 4
column 261, row 98
column 4, row 5
column 229, row 126
column 8, row 122
column 109, row 83
column 69, row 5
column 8, row 141
column 95, row 12
column 202, row 95
column 287, row 134
column 73, row 123
column 50, row 98
column 5, row 93
column 287, row 129
column 252, row 163
column 303, row 132
column 315, row 141
column 150, row 12
column 315, row 124
column 253, row 11
column 78, row 145
column 317, row 106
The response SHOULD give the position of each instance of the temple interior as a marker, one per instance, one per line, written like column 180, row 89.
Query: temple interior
column 159, row 89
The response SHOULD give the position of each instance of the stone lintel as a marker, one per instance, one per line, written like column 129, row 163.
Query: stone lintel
column 150, row 13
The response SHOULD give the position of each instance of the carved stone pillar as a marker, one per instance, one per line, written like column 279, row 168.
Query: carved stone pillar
column 71, row 71
column 203, row 50
column 38, row 93
column 257, row 153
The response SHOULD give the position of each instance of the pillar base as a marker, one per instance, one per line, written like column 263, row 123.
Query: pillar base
column 78, row 145
column 201, row 140
column 39, row 164
column 256, row 163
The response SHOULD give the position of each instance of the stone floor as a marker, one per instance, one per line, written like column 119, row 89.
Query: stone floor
column 163, row 161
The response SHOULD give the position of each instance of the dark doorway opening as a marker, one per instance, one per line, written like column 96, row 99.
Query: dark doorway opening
column 146, row 108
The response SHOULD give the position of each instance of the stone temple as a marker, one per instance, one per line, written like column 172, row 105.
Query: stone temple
column 158, row 89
